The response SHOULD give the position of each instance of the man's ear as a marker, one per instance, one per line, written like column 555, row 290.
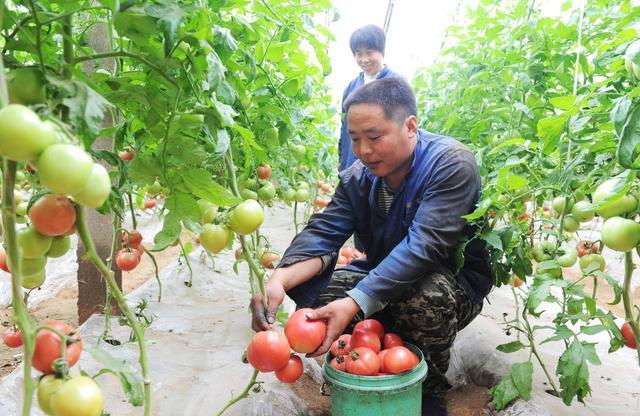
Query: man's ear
column 412, row 125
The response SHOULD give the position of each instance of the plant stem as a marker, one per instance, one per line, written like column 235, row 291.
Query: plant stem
column 243, row 395
column 107, row 274
column 626, row 299
column 155, row 269
column 38, row 35
column 134, row 221
column 186, row 259
column 534, row 351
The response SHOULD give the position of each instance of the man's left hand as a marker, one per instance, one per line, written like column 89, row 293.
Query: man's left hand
column 338, row 314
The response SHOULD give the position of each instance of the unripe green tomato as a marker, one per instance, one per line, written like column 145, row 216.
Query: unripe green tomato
column 303, row 185
column 246, row 217
column 271, row 135
column 620, row 234
column 59, row 246
column 570, row 225
column 267, row 192
column 32, row 243
column 249, row 194
column 250, row 183
column 302, row 195
column 97, row 189
column 618, row 205
column 204, row 205
column 554, row 271
column 48, row 385
column 31, row 281
column 214, row 237
column 209, row 215
column 26, row 86
column 20, row 176
column 78, row 396
column 23, row 136
column 32, row 266
column 154, row 189
column 582, row 211
column 567, row 256
column 298, row 151
column 561, row 205
column 65, row 168
column 21, row 209
column 288, row 195
column 586, row 261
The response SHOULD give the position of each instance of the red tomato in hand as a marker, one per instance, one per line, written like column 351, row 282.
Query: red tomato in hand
column 132, row 239
column 304, row 335
column 268, row 351
column 12, row 338
column 52, row 215
column 127, row 259
column 585, row 247
column 341, row 346
column 363, row 361
column 291, row 371
column 339, row 363
column 48, row 346
column 347, row 252
column 370, row 325
column 391, row 340
column 627, row 334
column 342, row 261
column 363, row 338
column 399, row 359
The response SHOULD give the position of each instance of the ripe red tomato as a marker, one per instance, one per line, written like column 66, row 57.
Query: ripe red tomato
column 127, row 155
column 304, row 335
column 585, row 247
column 12, row 338
column 339, row 363
column 48, row 346
column 347, row 252
column 320, row 203
column 627, row 334
column 342, row 261
column 3, row 260
column 370, row 325
column 269, row 259
column 263, row 172
column 150, row 203
column 326, row 188
column 127, row 259
column 365, row 338
column 52, row 215
column 363, row 361
column 399, row 359
column 132, row 239
column 341, row 346
column 268, row 351
column 517, row 282
column 390, row 340
column 291, row 371
column 381, row 355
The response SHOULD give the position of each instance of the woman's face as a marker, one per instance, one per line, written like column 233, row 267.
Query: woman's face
column 369, row 60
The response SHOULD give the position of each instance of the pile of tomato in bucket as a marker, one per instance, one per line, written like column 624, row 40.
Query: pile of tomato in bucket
column 368, row 351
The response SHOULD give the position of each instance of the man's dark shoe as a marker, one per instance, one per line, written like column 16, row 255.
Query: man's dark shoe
column 434, row 406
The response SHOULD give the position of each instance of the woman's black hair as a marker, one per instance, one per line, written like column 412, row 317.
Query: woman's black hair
column 369, row 36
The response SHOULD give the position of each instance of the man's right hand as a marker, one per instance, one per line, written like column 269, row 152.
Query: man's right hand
column 263, row 319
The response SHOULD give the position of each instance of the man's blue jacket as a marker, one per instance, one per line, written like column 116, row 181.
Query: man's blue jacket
column 344, row 146
column 420, row 234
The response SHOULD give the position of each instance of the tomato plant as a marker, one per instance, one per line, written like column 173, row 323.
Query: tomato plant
column 304, row 335
column 268, row 351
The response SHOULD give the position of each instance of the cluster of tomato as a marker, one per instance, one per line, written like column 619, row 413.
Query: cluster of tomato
column 369, row 351
column 58, row 393
column 52, row 220
column 324, row 187
column 132, row 250
column 271, row 350
column 349, row 253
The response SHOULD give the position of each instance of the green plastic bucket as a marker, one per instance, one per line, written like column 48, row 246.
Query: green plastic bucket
column 398, row 394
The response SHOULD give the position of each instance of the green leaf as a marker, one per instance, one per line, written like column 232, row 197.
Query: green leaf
column 573, row 373
column 202, row 185
column 493, row 240
column 562, row 332
column 130, row 381
column 511, row 347
column 540, row 290
column 630, row 140
column 504, row 392
column 615, row 285
column 522, row 375
column 564, row 102
column 247, row 136
column 171, row 228
column 593, row 329
column 87, row 107
column 290, row 87
column 144, row 168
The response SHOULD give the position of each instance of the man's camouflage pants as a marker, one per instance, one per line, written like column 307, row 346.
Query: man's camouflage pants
column 428, row 315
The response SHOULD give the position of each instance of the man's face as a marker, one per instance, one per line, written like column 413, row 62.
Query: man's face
column 370, row 60
column 384, row 146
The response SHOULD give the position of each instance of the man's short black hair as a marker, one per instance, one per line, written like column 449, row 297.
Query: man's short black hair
column 394, row 95
column 369, row 36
